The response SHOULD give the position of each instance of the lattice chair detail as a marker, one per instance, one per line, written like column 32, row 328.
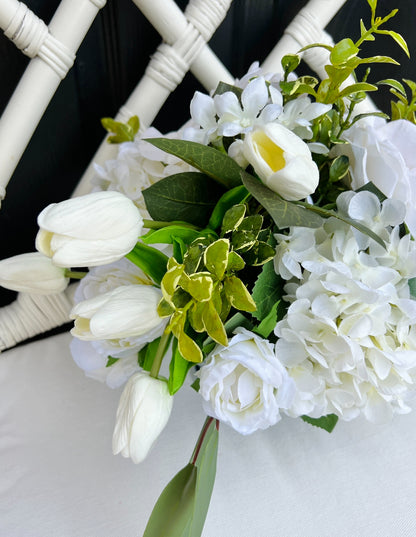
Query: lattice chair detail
column 184, row 47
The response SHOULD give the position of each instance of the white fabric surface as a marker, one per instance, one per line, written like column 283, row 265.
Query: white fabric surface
column 58, row 477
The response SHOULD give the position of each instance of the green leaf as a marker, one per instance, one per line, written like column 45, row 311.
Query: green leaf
column 238, row 295
column 147, row 354
column 339, row 168
column 216, row 257
column 379, row 59
column 357, row 225
column 178, row 369
column 371, row 187
column 213, row 324
column 175, row 507
column 206, row 462
column 284, row 213
column 259, row 254
column 338, row 74
column 356, row 88
column 237, row 320
column 168, row 234
column 400, row 41
column 324, row 422
column 179, row 249
column 151, row 261
column 412, row 287
column 189, row 196
column 111, row 361
column 290, row 63
column 267, row 291
column 233, row 218
column 368, row 114
column 232, row 197
column 268, row 324
column 122, row 132
column 343, row 51
column 316, row 45
column 208, row 160
column 223, row 87
column 372, row 4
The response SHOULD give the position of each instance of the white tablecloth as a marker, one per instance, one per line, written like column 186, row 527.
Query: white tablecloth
column 58, row 477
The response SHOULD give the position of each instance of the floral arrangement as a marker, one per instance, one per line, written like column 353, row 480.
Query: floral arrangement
column 265, row 250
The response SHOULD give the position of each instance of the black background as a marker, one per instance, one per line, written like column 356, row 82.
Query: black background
column 109, row 64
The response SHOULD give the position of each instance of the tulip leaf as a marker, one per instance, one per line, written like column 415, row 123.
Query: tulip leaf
column 284, row 213
column 151, row 261
column 178, row 369
column 175, row 506
column 168, row 234
column 208, row 160
column 324, row 422
column 232, row 197
column 189, row 196
column 205, row 459
column 267, row 290
column 147, row 354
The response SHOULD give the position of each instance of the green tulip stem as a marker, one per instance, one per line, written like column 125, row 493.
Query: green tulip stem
column 157, row 362
column 75, row 275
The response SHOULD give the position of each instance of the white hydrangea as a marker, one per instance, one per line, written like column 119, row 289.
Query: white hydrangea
column 138, row 166
column 348, row 339
column 92, row 356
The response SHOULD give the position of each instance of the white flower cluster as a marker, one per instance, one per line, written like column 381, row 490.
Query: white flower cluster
column 138, row 166
column 348, row 339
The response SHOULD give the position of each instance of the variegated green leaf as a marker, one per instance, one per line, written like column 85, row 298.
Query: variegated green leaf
column 216, row 257
column 238, row 295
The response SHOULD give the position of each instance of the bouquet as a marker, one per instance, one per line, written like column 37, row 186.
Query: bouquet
column 264, row 253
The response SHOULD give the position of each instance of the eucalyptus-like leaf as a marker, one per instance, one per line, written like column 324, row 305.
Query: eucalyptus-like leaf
column 284, row 213
column 150, row 260
column 208, row 160
column 189, row 196
column 216, row 257
column 238, row 295
column 324, row 422
column 232, row 197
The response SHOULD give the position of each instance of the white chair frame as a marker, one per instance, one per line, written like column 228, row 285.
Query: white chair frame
column 184, row 47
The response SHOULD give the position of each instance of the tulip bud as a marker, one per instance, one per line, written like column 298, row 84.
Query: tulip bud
column 282, row 160
column 143, row 411
column 32, row 273
column 90, row 230
column 129, row 310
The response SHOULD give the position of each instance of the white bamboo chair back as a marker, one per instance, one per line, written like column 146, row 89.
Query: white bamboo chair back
column 184, row 47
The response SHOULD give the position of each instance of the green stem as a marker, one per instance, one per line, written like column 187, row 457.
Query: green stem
column 157, row 362
column 75, row 275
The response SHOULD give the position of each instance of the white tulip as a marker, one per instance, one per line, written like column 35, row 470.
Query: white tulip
column 282, row 160
column 129, row 310
column 32, row 273
column 143, row 411
column 90, row 230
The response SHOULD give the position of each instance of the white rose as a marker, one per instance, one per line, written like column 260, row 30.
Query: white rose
column 282, row 161
column 32, row 273
column 90, row 230
column 129, row 310
column 384, row 154
column 144, row 410
column 244, row 384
